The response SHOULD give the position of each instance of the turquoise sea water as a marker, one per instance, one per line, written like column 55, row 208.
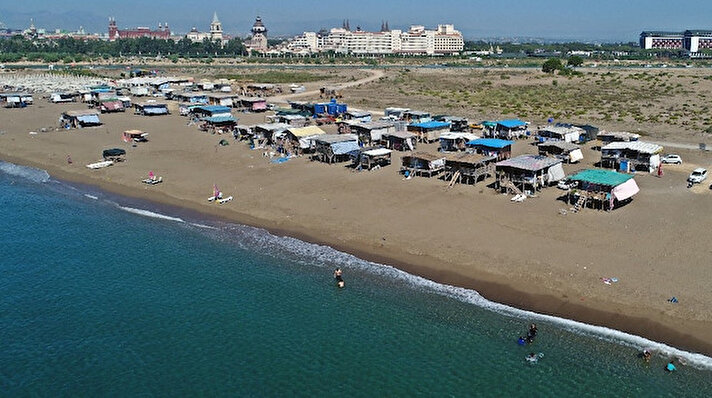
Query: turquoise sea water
column 104, row 296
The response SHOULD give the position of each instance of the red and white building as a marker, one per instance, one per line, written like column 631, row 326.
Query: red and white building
column 163, row 32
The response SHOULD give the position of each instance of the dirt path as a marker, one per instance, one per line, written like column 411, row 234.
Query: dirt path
column 375, row 75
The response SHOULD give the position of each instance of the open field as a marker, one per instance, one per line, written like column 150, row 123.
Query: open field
column 657, row 103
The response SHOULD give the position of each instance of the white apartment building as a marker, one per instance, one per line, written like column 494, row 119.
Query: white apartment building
column 417, row 41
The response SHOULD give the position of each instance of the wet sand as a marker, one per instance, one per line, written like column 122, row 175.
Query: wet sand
column 527, row 255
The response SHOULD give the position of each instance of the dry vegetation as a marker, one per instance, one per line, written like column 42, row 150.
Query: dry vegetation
column 655, row 102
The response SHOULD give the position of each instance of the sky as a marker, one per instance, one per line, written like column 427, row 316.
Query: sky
column 587, row 20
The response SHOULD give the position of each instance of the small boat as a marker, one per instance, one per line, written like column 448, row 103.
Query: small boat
column 100, row 165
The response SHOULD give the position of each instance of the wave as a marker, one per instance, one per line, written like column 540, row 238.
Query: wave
column 314, row 254
column 28, row 173
column 91, row 196
column 147, row 213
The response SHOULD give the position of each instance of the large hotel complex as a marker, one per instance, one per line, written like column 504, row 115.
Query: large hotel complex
column 691, row 41
column 415, row 41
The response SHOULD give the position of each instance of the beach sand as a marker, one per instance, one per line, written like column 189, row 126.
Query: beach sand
column 527, row 255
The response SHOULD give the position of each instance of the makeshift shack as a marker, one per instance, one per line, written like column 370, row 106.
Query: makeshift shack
column 218, row 124
column 334, row 148
column 16, row 100
column 264, row 134
column 369, row 133
column 292, row 120
column 253, row 104
column 399, row 140
column 632, row 155
column 527, row 173
column 601, row 189
column 373, row 157
column 501, row 149
column 191, row 97
column 363, row 117
column 559, row 133
column 203, row 111
column 221, row 99
column 415, row 117
column 455, row 141
column 134, row 136
column 395, row 113
column 568, row 152
column 606, row 137
column 588, row 133
column 468, row 168
column 79, row 119
column 112, row 106
column 505, row 129
column 302, row 138
column 428, row 131
column 63, row 97
column 150, row 108
column 423, row 164
column 457, row 124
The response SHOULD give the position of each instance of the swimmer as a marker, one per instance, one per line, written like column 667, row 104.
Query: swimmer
column 533, row 358
column 531, row 334
column 338, row 278
column 647, row 355
column 670, row 367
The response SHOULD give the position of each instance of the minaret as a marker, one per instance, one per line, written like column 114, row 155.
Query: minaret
column 259, row 35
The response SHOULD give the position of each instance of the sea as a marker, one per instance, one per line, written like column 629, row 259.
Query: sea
column 102, row 295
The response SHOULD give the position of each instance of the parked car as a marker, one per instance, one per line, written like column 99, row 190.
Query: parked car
column 697, row 176
column 671, row 159
column 566, row 185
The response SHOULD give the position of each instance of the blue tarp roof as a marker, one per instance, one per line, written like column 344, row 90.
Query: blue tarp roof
column 219, row 119
column 431, row 125
column 213, row 108
column 511, row 123
column 490, row 142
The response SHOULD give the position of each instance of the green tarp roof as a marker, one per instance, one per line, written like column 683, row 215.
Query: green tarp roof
column 601, row 177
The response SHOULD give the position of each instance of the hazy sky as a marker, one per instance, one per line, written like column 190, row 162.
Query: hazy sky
column 607, row 20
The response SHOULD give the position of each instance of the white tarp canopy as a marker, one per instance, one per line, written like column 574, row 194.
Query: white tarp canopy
column 625, row 190
column 575, row 156
column 556, row 173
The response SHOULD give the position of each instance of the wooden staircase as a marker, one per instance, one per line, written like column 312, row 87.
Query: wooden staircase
column 455, row 178
column 510, row 185
column 579, row 204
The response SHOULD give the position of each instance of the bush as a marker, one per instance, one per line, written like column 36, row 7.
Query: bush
column 575, row 61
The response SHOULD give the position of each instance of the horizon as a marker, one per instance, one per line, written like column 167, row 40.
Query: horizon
column 605, row 22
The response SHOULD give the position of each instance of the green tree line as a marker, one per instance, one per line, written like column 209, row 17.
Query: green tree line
column 19, row 48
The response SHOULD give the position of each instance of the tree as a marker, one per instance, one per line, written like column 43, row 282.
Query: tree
column 575, row 61
column 552, row 65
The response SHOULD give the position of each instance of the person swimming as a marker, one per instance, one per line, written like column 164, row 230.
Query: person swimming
column 670, row 367
column 531, row 334
column 338, row 277
column 647, row 355
column 533, row 357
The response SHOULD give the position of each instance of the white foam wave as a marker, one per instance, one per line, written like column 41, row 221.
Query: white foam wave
column 309, row 253
column 147, row 213
column 29, row 173
column 91, row 196
column 203, row 226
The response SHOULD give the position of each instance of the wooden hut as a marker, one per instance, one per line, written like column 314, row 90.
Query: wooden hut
column 601, row 189
column 80, row 119
column 218, row 124
column 468, row 168
column 606, row 137
column 455, row 141
column 253, row 104
column 302, row 138
column 560, row 133
column 367, row 159
column 429, row 131
column 568, row 152
column 457, row 124
column 423, row 164
column 369, row 133
column 334, row 148
column 222, row 99
column 150, row 108
column 527, row 173
column 399, row 140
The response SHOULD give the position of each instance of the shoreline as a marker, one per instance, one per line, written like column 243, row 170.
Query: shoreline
column 489, row 286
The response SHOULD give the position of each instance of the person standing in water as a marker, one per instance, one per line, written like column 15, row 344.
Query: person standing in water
column 531, row 334
column 338, row 278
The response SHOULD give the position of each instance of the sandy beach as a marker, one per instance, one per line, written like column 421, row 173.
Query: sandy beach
column 528, row 255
